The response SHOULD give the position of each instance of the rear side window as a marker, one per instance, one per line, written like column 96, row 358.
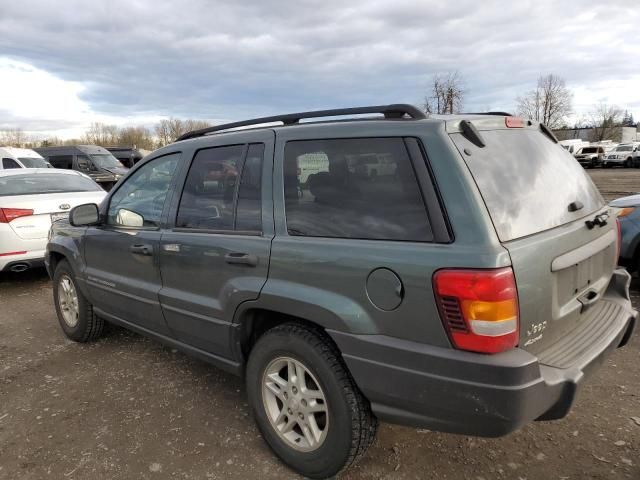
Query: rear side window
column 9, row 163
column 61, row 161
column 214, row 197
column 362, row 188
column 527, row 181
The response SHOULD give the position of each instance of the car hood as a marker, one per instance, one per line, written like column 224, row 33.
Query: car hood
column 630, row 201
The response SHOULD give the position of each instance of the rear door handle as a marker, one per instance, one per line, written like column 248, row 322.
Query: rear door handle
column 146, row 250
column 238, row 258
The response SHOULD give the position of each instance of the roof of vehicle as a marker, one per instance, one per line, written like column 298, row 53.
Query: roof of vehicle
column 128, row 150
column 90, row 149
column 391, row 113
column 36, row 171
column 20, row 152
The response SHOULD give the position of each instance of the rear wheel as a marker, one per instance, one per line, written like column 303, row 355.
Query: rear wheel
column 75, row 313
column 305, row 402
column 627, row 163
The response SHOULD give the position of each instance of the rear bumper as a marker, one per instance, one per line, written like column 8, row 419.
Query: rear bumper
column 486, row 395
column 33, row 259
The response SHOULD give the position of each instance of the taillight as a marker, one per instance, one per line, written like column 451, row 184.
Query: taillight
column 8, row 214
column 625, row 211
column 479, row 308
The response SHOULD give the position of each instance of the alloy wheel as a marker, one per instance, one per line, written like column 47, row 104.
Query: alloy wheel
column 295, row 404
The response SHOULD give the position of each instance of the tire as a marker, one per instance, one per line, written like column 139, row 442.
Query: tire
column 627, row 163
column 83, row 326
column 349, row 426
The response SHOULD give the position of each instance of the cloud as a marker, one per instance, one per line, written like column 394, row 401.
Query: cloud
column 231, row 60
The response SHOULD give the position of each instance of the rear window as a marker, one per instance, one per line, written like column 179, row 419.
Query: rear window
column 362, row 188
column 527, row 181
column 43, row 183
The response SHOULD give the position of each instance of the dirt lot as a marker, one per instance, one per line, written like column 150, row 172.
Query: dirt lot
column 128, row 408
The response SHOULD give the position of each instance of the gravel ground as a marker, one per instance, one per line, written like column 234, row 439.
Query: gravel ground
column 126, row 407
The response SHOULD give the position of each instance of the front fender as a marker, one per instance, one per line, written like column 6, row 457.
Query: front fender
column 66, row 242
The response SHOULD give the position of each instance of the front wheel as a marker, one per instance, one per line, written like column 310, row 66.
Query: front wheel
column 305, row 402
column 75, row 313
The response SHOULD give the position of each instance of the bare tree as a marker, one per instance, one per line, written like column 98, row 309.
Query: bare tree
column 446, row 95
column 140, row 137
column 14, row 137
column 605, row 120
column 167, row 130
column 550, row 102
column 101, row 134
column 163, row 135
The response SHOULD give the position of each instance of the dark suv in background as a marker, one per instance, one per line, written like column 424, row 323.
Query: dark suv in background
column 92, row 160
column 128, row 156
column 467, row 286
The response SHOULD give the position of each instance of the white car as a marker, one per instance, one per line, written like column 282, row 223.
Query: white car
column 30, row 200
column 621, row 156
column 11, row 157
column 573, row 145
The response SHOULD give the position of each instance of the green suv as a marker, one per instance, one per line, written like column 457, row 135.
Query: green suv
column 455, row 273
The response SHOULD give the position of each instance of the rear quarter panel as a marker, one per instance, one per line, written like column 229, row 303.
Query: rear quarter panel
column 323, row 279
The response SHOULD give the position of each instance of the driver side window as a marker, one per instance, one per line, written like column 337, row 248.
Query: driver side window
column 140, row 199
column 83, row 162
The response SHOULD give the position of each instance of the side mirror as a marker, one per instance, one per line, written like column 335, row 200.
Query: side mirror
column 127, row 218
column 84, row 215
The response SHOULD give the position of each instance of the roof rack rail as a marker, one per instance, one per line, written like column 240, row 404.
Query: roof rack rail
column 499, row 114
column 389, row 111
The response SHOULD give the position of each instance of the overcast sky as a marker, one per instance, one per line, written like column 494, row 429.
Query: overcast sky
column 65, row 63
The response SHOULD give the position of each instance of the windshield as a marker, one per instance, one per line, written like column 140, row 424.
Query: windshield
column 105, row 160
column 527, row 181
column 590, row 150
column 626, row 148
column 42, row 183
column 34, row 162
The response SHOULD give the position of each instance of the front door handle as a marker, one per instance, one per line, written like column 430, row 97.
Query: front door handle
column 238, row 258
column 138, row 249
